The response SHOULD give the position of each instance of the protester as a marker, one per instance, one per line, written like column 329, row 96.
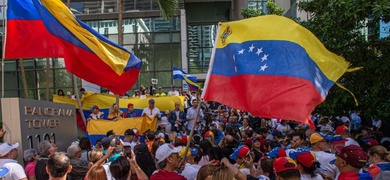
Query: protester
column 46, row 148
column 8, row 156
column 167, row 161
column 379, row 159
column 58, row 166
column 286, row 168
column 349, row 161
column 151, row 111
column 130, row 111
column 31, row 157
column 79, row 166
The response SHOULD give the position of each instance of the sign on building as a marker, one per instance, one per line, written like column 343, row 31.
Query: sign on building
column 30, row 122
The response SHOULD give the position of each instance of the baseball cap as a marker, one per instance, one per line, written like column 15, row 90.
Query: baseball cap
column 94, row 107
column 242, row 151
column 106, row 141
column 208, row 133
column 5, row 148
column 341, row 129
column 151, row 100
column 164, row 151
column 277, row 152
column 129, row 132
column 159, row 87
column 183, row 149
column 353, row 155
column 307, row 159
column 284, row 164
column 3, row 172
column 173, row 85
column 130, row 105
column 315, row 138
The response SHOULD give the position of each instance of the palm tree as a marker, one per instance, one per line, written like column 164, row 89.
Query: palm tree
column 168, row 8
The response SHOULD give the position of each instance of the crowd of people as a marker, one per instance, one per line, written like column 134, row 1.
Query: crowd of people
column 226, row 144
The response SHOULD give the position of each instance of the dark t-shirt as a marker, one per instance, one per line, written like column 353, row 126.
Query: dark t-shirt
column 40, row 170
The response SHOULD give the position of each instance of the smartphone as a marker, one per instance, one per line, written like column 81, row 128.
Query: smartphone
column 127, row 151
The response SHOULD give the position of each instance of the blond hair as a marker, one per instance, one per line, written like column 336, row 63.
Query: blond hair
column 380, row 151
column 94, row 156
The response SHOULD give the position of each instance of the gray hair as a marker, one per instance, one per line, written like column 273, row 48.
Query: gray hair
column 44, row 148
column 72, row 150
column 29, row 154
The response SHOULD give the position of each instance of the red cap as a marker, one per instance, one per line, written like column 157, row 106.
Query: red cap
column 353, row 155
column 307, row 159
column 129, row 105
column 341, row 129
column 284, row 164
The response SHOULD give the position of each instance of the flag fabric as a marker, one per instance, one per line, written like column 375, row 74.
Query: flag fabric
column 191, row 80
column 47, row 28
column 271, row 67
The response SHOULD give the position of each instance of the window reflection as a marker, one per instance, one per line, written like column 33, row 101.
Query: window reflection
column 200, row 43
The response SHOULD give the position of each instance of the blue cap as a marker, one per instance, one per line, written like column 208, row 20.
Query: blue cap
column 194, row 151
column 277, row 152
column 3, row 172
column 151, row 100
column 242, row 151
column 295, row 153
column 173, row 85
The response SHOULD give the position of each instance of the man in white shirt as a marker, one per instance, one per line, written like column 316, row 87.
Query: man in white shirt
column 192, row 167
column 128, row 140
column 8, row 156
column 152, row 111
column 173, row 91
column 344, row 132
column 319, row 146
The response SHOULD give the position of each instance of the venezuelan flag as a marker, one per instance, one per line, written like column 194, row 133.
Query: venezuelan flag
column 271, row 67
column 47, row 28
column 191, row 80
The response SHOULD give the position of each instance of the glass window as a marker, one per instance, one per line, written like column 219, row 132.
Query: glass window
column 63, row 78
column 176, row 55
column 164, row 79
column 200, row 43
column 260, row 5
column 162, row 59
column 11, row 80
column 162, row 38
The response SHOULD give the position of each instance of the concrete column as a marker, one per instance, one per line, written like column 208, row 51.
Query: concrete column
column 237, row 6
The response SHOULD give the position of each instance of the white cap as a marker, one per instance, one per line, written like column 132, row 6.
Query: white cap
column 5, row 148
column 164, row 151
column 161, row 135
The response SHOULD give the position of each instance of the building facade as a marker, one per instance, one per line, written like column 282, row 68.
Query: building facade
column 185, row 41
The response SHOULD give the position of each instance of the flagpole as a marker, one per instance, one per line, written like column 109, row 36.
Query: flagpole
column 211, row 62
column 120, row 36
column 76, row 91
column 3, row 50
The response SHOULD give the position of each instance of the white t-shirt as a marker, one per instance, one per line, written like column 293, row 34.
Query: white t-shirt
column 326, row 167
column 173, row 93
column 152, row 113
column 351, row 141
column 15, row 170
column 308, row 177
column 283, row 128
column 190, row 171
column 106, row 167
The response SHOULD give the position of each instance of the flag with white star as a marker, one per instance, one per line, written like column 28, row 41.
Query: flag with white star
column 271, row 67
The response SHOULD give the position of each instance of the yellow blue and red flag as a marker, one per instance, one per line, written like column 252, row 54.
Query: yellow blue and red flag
column 47, row 28
column 272, row 67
